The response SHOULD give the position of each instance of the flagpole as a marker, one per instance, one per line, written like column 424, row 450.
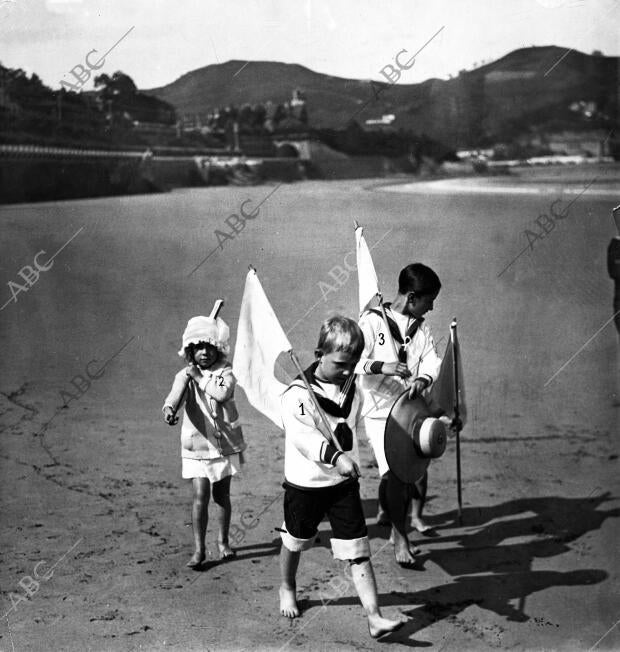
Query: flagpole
column 319, row 409
column 457, row 420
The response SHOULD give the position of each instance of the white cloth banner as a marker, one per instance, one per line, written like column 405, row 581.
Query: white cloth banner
column 443, row 391
column 366, row 275
column 260, row 340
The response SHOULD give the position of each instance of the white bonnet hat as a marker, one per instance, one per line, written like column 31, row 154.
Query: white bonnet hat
column 209, row 330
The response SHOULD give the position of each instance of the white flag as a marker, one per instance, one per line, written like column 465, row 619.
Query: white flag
column 444, row 390
column 260, row 340
column 366, row 275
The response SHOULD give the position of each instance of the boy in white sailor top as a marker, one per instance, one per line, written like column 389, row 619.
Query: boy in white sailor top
column 385, row 374
column 319, row 479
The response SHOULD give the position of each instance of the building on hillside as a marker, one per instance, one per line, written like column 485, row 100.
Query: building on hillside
column 594, row 143
column 384, row 123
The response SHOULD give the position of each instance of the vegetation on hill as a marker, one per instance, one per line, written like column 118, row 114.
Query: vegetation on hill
column 516, row 101
column 530, row 90
column 32, row 113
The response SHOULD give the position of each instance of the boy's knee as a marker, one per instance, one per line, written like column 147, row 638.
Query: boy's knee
column 295, row 544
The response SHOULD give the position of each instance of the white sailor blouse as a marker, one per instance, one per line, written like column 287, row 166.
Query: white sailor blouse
column 309, row 459
column 416, row 348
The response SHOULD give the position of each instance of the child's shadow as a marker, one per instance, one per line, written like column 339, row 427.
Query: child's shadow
column 270, row 549
column 495, row 593
column 247, row 552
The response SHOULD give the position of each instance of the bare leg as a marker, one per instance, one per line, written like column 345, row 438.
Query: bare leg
column 364, row 580
column 221, row 497
column 289, row 562
column 398, row 499
column 418, row 500
column 200, row 519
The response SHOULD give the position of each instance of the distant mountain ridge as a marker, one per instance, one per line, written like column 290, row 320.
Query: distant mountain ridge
column 528, row 90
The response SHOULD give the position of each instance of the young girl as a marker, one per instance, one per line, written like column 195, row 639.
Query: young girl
column 211, row 438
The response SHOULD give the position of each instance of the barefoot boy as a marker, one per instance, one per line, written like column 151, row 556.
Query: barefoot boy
column 384, row 376
column 319, row 479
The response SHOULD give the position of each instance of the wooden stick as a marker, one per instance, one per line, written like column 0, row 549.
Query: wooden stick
column 319, row 409
column 330, row 437
column 456, row 416
column 217, row 306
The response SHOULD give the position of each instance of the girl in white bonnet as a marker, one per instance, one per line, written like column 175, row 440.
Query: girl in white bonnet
column 211, row 438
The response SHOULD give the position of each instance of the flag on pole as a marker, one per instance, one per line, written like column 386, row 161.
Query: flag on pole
column 366, row 275
column 260, row 340
column 449, row 385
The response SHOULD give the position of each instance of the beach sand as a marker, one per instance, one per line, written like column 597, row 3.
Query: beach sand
column 96, row 492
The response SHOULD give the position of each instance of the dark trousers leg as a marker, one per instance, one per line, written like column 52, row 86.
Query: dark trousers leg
column 397, row 497
column 382, row 493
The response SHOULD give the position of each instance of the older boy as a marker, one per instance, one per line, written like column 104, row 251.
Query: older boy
column 385, row 373
column 321, row 480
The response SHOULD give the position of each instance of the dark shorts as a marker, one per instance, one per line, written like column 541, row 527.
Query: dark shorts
column 304, row 509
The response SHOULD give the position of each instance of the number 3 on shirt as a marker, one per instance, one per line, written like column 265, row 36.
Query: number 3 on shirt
column 381, row 339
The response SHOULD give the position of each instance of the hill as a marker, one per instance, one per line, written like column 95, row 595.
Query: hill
column 528, row 90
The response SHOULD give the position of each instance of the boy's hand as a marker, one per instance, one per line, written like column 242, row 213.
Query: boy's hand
column 347, row 467
column 193, row 372
column 451, row 424
column 417, row 387
column 395, row 369
column 170, row 417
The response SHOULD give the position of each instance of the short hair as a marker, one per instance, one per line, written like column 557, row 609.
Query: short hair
column 418, row 278
column 340, row 334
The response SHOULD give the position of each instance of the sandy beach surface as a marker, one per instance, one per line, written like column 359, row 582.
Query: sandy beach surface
column 96, row 518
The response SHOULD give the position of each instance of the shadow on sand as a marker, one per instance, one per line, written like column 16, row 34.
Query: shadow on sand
column 485, row 571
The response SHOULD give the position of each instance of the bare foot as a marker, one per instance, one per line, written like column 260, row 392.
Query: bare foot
column 404, row 550
column 414, row 550
column 420, row 525
column 226, row 552
column 288, row 603
column 379, row 626
column 197, row 559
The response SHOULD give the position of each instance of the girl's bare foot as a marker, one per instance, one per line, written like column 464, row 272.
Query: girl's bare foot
column 288, row 603
column 226, row 552
column 197, row 559
column 379, row 626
